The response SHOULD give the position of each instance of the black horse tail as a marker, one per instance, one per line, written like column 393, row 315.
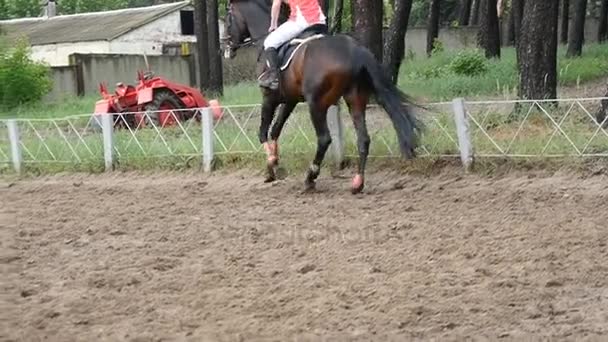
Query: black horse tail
column 394, row 101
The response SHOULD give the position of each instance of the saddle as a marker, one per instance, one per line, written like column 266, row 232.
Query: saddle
column 288, row 49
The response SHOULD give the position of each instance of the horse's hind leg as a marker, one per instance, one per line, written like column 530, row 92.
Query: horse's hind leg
column 318, row 115
column 357, row 100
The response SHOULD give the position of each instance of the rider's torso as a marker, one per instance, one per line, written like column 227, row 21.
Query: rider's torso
column 308, row 10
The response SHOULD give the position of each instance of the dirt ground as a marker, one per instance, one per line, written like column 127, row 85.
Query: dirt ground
column 185, row 257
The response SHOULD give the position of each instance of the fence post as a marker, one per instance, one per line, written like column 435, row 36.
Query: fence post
column 464, row 137
column 336, row 129
column 15, row 141
column 108, row 141
column 207, row 127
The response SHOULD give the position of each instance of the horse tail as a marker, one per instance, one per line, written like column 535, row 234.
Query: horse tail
column 394, row 101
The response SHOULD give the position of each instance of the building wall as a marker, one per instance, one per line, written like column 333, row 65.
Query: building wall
column 150, row 38
column 64, row 83
column 109, row 68
column 58, row 54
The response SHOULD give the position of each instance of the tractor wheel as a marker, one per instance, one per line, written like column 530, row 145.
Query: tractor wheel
column 127, row 121
column 159, row 110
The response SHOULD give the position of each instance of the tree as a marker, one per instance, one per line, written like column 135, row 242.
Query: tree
column 565, row 21
column 433, row 25
column 465, row 12
column 4, row 12
column 475, row 12
column 576, row 35
column 537, row 50
column 394, row 45
column 367, row 24
column 336, row 25
column 517, row 13
column 489, row 32
column 24, row 8
column 602, row 30
column 202, row 37
column 216, row 79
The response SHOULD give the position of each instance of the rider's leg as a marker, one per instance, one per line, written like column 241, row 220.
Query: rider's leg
column 288, row 30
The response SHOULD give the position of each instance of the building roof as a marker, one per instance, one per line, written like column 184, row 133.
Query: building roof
column 81, row 27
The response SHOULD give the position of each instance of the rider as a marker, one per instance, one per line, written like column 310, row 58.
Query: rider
column 304, row 13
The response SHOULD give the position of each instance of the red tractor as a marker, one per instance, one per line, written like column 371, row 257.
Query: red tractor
column 154, row 100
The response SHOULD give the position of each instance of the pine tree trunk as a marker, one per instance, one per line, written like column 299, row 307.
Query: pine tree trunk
column 475, row 12
column 537, row 50
column 367, row 24
column 602, row 30
column 216, row 77
column 511, row 30
column 337, row 18
column 489, row 32
column 433, row 25
column 394, row 45
column 565, row 21
column 517, row 10
column 576, row 37
column 465, row 13
column 202, row 37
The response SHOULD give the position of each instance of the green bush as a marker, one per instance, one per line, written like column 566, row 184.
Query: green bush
column 22, row 80
column 469, row 63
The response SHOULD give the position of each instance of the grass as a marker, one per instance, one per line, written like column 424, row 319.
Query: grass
column 67, row 146
column 431, row 79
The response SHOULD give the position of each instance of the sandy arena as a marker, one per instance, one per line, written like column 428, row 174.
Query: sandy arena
column 183, row 257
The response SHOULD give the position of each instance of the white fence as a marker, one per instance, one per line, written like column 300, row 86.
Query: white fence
column 468, row 130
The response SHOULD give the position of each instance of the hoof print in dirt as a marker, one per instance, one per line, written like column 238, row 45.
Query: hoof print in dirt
column 307, row 268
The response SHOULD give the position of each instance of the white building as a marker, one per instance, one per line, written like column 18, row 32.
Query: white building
column 151, row 30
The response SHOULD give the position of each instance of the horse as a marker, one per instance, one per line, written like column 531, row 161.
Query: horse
column 320, row 68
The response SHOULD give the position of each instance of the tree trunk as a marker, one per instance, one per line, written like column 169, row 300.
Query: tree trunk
column 367, row 24
column 202, row 37
column 511, row 30
column 325, row 7
column 465, row 13
column 565, row 21
column 537, row 50
column 475, row 12
column 602, row 30
column 489, row 32
column 517, row 11
column 216, row 77
column 337, row 18
column 433, row 25
column 394, row 45
column 576, row 37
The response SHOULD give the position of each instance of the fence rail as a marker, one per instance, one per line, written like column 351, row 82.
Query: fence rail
column 468, row 130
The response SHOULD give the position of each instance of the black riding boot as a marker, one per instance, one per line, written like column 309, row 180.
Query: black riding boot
column 270, row 79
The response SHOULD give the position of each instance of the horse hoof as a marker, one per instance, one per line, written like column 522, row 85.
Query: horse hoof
column 280, row 172
column 357, row 185
column 271, row 175
column 309, row 186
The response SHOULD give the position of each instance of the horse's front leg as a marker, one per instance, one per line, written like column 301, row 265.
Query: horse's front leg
column 268, row 109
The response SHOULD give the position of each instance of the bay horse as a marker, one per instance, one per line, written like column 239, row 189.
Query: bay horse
column 319, row 69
